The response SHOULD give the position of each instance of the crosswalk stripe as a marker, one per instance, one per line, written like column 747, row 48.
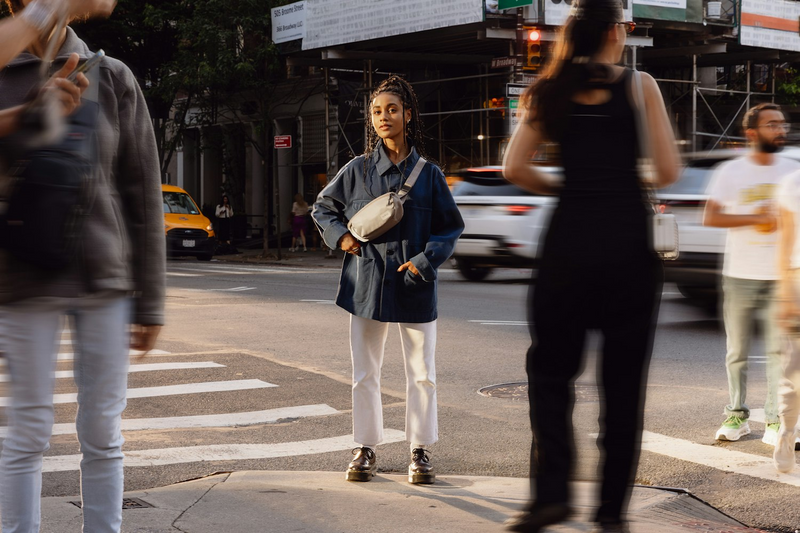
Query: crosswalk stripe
column 724, row 459
column 70, row 356
column 170, row 390
column 269, row 416
column 152, row 367
column 500, row 322
column 222, row 452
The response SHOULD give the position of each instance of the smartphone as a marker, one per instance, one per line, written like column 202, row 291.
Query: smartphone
column 87, row 65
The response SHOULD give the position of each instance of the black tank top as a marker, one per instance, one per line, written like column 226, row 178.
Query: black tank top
column 599, row 152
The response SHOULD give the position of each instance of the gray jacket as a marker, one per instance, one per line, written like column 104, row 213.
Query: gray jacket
column 123, row 247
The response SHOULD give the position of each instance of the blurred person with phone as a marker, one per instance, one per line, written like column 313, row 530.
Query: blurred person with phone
column 742, row 196
column 597, row 269
column 788, row 296
column 113, row 291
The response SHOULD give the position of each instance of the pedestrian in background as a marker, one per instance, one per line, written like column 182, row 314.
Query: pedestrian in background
column 224, row 214
column 392, row 278
column 741, row 197
column 299, row 221
column 788, row 293
column 597, row 270
column 113, row 291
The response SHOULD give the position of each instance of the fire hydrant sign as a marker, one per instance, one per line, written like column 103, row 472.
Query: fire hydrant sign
column 283, row 141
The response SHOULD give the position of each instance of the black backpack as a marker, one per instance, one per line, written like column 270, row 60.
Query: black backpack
column 51, row 194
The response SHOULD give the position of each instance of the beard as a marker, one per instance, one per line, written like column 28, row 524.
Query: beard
column 770, row 147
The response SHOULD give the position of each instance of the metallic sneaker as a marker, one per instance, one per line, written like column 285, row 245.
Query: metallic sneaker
column 363, row 465
column 771, row 434
column 783, row 456
column 733, row 429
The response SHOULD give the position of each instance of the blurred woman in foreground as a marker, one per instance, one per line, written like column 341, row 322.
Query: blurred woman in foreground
column 597, row 268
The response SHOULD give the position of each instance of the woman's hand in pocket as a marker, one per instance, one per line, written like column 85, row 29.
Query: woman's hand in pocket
column 409, row 266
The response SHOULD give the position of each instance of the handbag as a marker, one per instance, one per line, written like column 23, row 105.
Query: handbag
column 53, row 184
column 663, row 226
column 384, row 212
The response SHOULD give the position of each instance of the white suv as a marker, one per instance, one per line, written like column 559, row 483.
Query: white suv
column 503, row 223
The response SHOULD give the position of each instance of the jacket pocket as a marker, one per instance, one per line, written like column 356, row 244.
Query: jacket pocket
column 364, row 286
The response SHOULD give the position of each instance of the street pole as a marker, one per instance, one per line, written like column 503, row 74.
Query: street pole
column 520, row 46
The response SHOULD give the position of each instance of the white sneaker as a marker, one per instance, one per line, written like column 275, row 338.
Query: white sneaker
column 771, row 434
column 733, row 429
column 783, row 456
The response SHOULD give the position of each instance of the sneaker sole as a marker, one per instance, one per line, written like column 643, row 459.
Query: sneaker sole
column 359, row 476
column 422, row 479
column 738, row 436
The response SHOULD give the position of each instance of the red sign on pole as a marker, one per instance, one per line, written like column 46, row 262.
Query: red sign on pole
column 283, row 141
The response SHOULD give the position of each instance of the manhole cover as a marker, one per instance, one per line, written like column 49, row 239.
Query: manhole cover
column 584, row 393
column 127, row 503
column 513, row 391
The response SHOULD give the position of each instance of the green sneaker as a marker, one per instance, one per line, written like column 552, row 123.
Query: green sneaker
column 771, row 434
column 734, row 428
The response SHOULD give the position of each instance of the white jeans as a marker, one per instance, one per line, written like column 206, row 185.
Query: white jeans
column 367, row 341
column 29, row 335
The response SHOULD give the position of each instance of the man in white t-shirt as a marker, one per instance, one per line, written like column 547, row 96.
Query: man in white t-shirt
column 742, row 193
column 789, row 320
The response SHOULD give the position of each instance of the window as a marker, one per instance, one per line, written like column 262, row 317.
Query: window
column 180, row 203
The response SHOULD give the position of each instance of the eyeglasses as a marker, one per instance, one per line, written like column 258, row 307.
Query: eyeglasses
column 778, row 126
column 629, row 26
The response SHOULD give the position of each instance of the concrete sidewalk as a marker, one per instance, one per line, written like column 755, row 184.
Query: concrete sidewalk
column 323, row 502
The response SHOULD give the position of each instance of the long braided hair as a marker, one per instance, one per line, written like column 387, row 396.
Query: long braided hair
column 413, row 132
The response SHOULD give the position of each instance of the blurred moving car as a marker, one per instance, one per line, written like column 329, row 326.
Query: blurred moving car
column 503, row 223
column 188, row 231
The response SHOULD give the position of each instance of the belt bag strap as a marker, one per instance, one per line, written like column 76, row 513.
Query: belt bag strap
column 412, row 179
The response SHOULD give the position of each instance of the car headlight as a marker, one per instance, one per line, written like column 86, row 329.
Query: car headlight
column 210, row 227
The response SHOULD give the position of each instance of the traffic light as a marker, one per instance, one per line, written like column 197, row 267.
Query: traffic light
column 533, row 45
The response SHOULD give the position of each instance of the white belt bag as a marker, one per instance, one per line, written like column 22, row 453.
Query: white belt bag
column 384, row 212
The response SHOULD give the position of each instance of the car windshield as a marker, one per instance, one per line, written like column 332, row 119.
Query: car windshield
column 694, row 178
column 179, row 202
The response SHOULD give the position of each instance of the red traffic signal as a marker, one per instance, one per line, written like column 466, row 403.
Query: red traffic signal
column 534, row 35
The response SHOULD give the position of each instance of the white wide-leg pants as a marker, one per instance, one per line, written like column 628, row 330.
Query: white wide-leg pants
column 367, row 341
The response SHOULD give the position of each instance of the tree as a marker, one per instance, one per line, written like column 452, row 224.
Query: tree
column 231, row 70
column 146, row 38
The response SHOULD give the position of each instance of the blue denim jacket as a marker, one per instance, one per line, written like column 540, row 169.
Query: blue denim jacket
column 370, row 285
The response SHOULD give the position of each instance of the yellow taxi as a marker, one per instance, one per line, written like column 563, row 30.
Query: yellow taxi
column 188, row 231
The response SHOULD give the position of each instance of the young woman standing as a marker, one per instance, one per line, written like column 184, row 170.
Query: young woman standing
column 597, row 270
column 391, row 278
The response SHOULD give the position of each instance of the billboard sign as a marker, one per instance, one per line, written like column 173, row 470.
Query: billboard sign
column 770, row 24
column 288, row 22
column 335, row 22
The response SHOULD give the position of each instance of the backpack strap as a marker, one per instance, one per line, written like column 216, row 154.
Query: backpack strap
column 412, row 179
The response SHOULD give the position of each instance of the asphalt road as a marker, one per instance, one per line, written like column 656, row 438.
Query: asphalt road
column 274, row 335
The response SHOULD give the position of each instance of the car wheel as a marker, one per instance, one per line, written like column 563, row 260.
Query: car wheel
column 472, row 272
column 205, row 257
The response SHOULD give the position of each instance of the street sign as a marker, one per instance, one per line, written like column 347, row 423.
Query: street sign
column 510, row 4
column 515, row 89
column 283, row 141
column 513, row 119
column 503, row 62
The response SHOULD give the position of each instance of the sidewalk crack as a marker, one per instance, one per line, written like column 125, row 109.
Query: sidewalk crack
column 196, row 502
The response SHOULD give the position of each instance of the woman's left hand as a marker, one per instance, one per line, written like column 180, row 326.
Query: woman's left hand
column 409, row 266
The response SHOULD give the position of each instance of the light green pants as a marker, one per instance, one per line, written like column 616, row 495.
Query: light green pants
column 743, row 300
